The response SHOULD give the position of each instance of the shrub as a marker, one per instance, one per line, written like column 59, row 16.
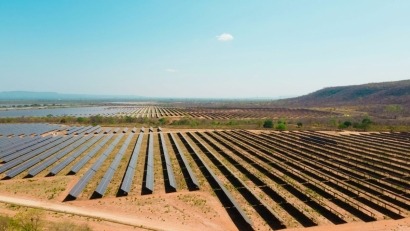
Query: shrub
column 268, row 123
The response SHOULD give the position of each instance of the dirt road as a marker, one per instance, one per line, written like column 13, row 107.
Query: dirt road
column 87, row 212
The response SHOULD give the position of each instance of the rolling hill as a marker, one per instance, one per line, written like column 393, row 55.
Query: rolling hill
column 397, row 92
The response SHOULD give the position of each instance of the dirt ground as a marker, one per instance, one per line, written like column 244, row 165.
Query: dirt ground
column 176, row 211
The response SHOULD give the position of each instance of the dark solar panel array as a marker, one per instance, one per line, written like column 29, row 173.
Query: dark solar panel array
column 73, row 156
column 77, row 167
column 21, row 145
column 132, row 164
column 74, row 130
column 78, row 188
column 39, row 147
column 224, row 195
column 26, row 129
column 172, row 184
column 37, row 158
column 191, row 179
column 149, row 177
column 84, row 130
column 36, row 170
column 20, row 157
column 102, row 186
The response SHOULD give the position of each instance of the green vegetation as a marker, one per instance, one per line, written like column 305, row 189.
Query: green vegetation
column 33, row 220
column 281, row 126
column 345, row 125
column 364, row 125
column 268, row 123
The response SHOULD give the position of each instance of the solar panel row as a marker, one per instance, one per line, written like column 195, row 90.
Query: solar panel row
column 102, row 186
column 191, row 180
column 149, row 177
column 132, row 164
column 20, row 145
column 134, row 130
column 74, row 130
column 73, row 156
column 78, row 188
column 21, row 157
column 81, row 130
column 36, row 170
column 172, row 184
column 36, row 159
column 227, row 199
column 91, row 130
column 26, row 129
column 77, row 167
column 39, row 147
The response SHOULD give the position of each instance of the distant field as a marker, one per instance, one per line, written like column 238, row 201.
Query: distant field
column 160, row 112
column 226, row 178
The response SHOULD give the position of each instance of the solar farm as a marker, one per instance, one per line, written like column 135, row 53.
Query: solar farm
column 257, row 180
column 160, row 112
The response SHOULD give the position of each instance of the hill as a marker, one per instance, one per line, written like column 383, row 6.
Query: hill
column 397, row 92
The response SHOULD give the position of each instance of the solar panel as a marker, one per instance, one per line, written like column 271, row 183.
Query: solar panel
column 39, row 158
column 172, row 184
column 191, row 180
column 77, row 167
column 212, row 178
column 129, row 174
column 76, row 190
column 44, row 165
column 102, row 186
column 149, row 178
column 73, row 156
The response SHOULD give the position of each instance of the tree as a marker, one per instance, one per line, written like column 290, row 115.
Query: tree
column 281, row 125
column 268, row 123
column 80, row 120
column 347, row 123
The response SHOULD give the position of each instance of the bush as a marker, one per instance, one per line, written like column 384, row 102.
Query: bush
column 268, row 123
column 80, row 119
column 281, row 125
column 299, row 124
column 163, row 121
column 129, row 119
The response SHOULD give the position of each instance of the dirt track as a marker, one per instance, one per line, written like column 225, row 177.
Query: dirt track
column 86, row 212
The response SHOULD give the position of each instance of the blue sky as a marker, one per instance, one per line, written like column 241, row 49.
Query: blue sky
column 172, row 48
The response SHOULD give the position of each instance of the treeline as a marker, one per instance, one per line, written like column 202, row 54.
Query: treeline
column 365, row 123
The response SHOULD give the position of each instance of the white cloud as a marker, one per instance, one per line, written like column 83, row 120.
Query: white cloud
column 171, row 70
column 224, row 37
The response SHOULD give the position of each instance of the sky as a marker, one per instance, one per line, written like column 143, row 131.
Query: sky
column 201, row 49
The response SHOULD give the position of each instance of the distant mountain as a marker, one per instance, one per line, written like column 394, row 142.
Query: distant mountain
column 28, row 95
column 397, row 92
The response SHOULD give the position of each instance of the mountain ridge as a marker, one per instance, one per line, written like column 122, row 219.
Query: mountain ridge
column 394, row 92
